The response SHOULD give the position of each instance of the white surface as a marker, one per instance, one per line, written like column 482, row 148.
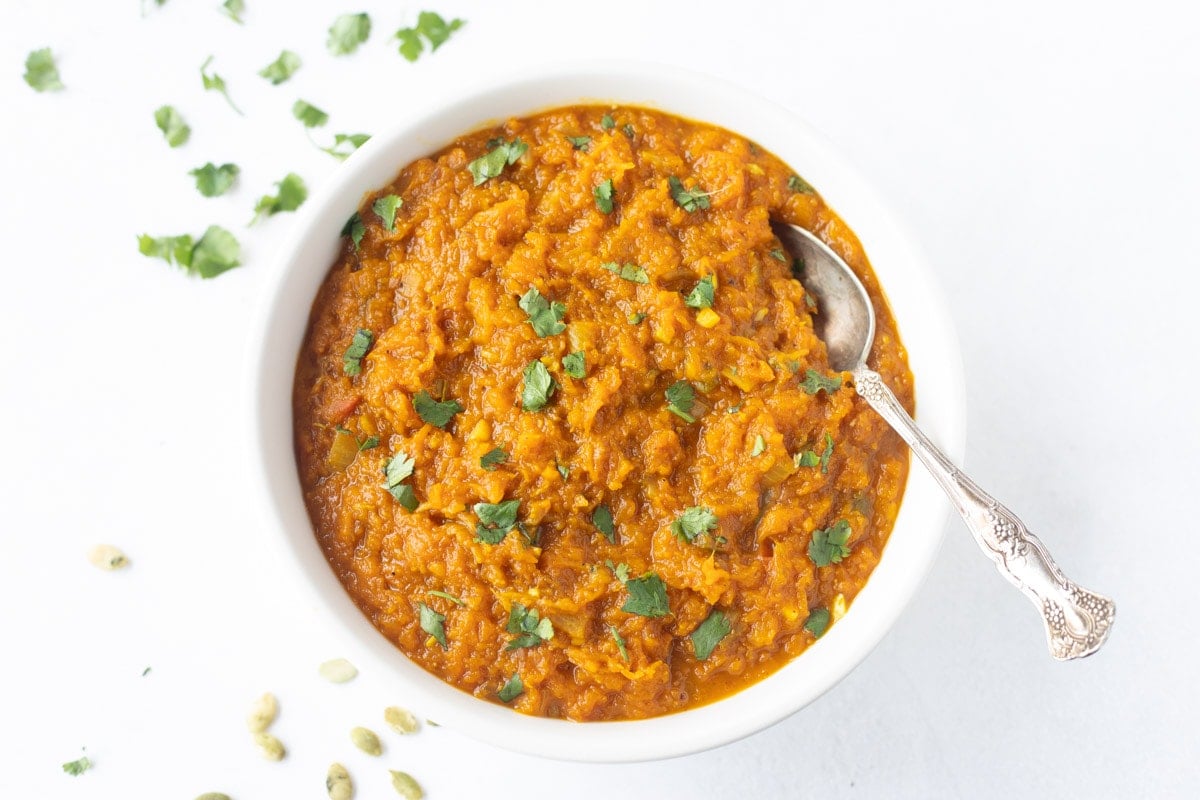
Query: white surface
column 1045, row 154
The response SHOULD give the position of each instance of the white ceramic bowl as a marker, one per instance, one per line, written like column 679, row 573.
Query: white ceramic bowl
column 924, row 328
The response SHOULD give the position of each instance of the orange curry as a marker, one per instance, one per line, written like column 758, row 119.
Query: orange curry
column 565, row 431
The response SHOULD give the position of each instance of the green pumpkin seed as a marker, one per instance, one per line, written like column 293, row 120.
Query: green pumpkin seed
column 262, row 713
column 270, row 747
column 338, row 670
column 338, row 783
column 105, row 556
column 366, row 740
column 406, row 785
column 401, row 720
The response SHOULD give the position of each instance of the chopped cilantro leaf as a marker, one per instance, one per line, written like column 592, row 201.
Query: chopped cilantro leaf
column 760, row 445
column 604, row 196
column 602, row 518
column 216, row 83
column 217, row 251
column 627, row 129
column 647, row 596
column 703, row 294
column 429, row 25
column 620, row 643
column 806, row 459
column 544, row 316
column 693, row 523
column 495, row 520
column 385, row 208
column 492, row 163
column 369, row 443
column 406, row 496
column 171, row 123
column 688, row 199
column 458, row 601
column 635, row 318
column 308, row 114
column 434, row 624
column 281, row 68
column 398, row 469
column 491, row 458
column 291, row 195
column 564, row 470
column 531, row 630
column 778, row 255
column 829, row 546
column 78, row 766
column 817, row 622
column 41, row 73
column 234, row 10
column 432, row 411
column 680, row 399
column 815, row 382
column 619, row 571
column 574, row 364
column 630, row 272
column 798, row 184
column 354, row 229
column 538, row 387
column 511, row 690
column 344, row 144
column 347, row 32
column 710, row 632
column 824, row 460
column 581, row 143
column 607, row 122
column 214, row 181
column 172, row 249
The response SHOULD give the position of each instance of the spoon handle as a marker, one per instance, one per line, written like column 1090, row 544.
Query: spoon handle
column 1077, row 620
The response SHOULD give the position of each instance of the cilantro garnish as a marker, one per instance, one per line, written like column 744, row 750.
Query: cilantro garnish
column 607, row 122
column 495, row 520
column 680, row 399
column 688, row 199
column 344, row 144
column 817, row 622
column 630, row 272
column 291, row 195
column 798, row 184
column 705, row 638
column 491, row 458
column 308, row 114
column 78, row 766
column 810, row 458
column 458, row 601
column 544, row 316
column 778, row 255
column 171, row 123
column 702, row 294
column 434, row 624
column 564, row 470
column 581, row 143
column 604, row 196
column 500, row 155
column 281, row 68
column 385, row 208
column 619, row 571
column 627, row 129
column 430, row 26
column 636, row 318
column 216, row 83
column 538, row 387
column 530, row 629
column 760, row 445
column 234, row 10
column 432, row 411
column 359, row 345
column 354, row 229
column 694, row 523
column 511, row 690
column 214, row 181
column 602, row 518
column 829, row 546
column 217, row 251
column 347, row 32
column 398, row 469
column 815, row 382
column 824, row 461
column 620, row 643
column 647, row 596
column 369, row 443
column 41, row 73
column 574, row 364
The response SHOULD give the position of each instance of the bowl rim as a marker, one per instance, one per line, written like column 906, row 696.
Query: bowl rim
column 306, row 258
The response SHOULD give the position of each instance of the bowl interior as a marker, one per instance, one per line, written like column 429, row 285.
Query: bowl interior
column 917, row 306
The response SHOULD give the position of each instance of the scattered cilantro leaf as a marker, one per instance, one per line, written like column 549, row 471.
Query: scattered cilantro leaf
column 602, row 518
column 215, row 252
column 627, row 129
column 603, row 195
column 538, row 387
column 647, row 596
column 214, row 181
column 78, row 766
column 689, row 200
column 829, row 546
column 281, row 68
column 347, row 32
column 544, row 316
column 511, row 690
column 702, row 294
column 216, row 83
column 432, row 411
column 458, row 601
column 564, row 470
column 369, row 443
column 495, row 520
column 694, row 523
column 824, row 460
column 398, row 469
column 630, row 272
column 580, row 143
column 778, row 255
column 359, row 345
column 344, row 144
column 145, row 672
column 385, row 208
column 308, row 114
column 530, row 628
column 619, row 571
column 817, row 622
column 354, row 229
column 41, row 73
column 234, row 10
column 815, row 382
column 709, row 633
column 680, row 399
column 410, row 43
column 491, row 458
column 620, row 643
column 799, row 185
column 760, row 445
column 575, row 365
column 432, row 27
column 492, row 163
column 607, row 122
column 172, row 249
column 806, row 458
column 291, row 195
column 434, row 624
column 635, row 318
column 406, row 496
column 171, row 123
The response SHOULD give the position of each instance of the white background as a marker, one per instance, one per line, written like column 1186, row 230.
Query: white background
column 1046, row 155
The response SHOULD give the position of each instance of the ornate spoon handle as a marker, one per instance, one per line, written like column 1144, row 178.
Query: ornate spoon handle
column 1077, row 621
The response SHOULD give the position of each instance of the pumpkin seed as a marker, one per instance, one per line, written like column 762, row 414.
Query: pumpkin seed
column 270, row 747
column 213, row 796
column 401, row 719
column 105, row 556
column 406, row 785
column 338, row 670
column 263, row 713
column 366, row 740
column 338, row 783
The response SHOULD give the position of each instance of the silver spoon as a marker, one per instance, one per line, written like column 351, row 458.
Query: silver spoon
column 1077, row 620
